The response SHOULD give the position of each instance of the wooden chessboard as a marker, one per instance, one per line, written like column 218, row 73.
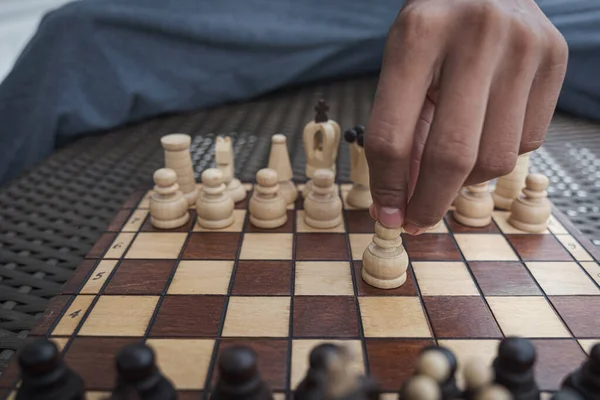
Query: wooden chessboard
column 190, row 292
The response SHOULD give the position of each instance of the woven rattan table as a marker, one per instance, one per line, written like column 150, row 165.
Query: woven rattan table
column 52, row 214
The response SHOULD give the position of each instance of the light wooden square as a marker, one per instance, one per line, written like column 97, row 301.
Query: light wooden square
column 98, row 277
column 237, row 226
column 358, row 243
column 172, row 355
column 393, row 317
column 573, row 246
column 587, row 344
column 145, row 202
column 444, row 279
column 151, row 245
column 201, row 277
column 562, row 278
column 119, row 316
column 465, row 350
column 592, row 268
column 501, row 219
column 440, row 227
column 527, row 316
column 302, row 226
column 135, row 221
column 119, row 245
column 301, row 349
column 326, row 278
column 267, row 246
column 556, row 227
column 257, row 316
column 485, row 247
column 73, row 316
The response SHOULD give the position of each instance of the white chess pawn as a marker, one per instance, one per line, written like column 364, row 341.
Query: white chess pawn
column 420, row 387
column 268, row 208
column 279, row 161
column 214, row 207
column 168, row 205
column 474, row 205
column 531, row 211
column 323, row 206
column 385, row 261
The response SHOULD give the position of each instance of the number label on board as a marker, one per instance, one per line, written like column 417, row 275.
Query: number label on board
column 75, row 314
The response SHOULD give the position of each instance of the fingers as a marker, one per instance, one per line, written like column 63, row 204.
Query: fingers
column 405, row 77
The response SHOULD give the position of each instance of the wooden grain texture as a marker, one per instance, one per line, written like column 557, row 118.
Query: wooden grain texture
column 485, row 247
column 325, row 316
column 321, row 246
column 78, row 277
column 211, row 246
column 457, row 227
column 118, row 221
column 431, row 247
column 359, row 221
column 201, row 277
column 188, row 316
column 260, row 278
column 101, row 245
column 393, row 317
column 555, row 359
column 140, row 277
column 51, row 314
column 363, row 289
column 503, row 278
column 325, row 278
column 578, row 313
column 539, row 248
column 437, row 278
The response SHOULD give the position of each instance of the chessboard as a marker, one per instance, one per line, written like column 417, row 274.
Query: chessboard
column 190, row 292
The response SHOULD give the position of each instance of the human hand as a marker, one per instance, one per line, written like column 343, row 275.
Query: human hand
column 465, row 87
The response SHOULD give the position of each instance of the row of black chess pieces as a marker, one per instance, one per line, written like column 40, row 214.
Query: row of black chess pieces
column 45, row 376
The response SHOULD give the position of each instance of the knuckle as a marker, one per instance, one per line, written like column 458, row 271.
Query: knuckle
column 557, row 48
column 413, row 25
column 389, row 196
column 456, row 157
column 379, row 150
column 486, row 17
column 496, row 165
column 525, row 40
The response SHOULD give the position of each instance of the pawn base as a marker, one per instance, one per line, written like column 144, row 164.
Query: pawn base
column 235, row 190
column 382, row 269
column 216, row 224
column 307, row 188
column 270, row 223
column 192, row 196
column 472, row 221
column 171, row 223
column 525, row 227
column 359, row 197
column 322, row 224
column 383, row 283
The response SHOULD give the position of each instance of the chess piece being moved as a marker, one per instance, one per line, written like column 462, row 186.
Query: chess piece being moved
column 45, row 376
column 323, row 206
column 267, row 207
column 440, row 364
column 214, row 207
column 513, row 368
column 224, row 159
column 279, row 161
column 508, row 187
column 179, row 159
column 420, row 387
column 168, row 206
column 359, row 195
column 385, row 261
column 474, row 206
column 321, row 139
column 138, row 376
column 530, row 212
column 585, row 380
column 239, row 377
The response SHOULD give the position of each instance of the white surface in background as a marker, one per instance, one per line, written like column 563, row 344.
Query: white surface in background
column 19, row 20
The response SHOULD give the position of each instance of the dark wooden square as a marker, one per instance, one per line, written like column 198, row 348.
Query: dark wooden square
column 243, row 204
column 134, row 199
column 539, row 247
column 461, row 317
column 288, row 227
column 325, row 316
column 79, row 276
column 140, row 277
column 457, row 227
column 118, row 221
column 9, row 376
column 580, row 313
column 212, row 246
column 392, row 361
column 431, row 247
column 272, row 358
column 504, row 278
column 556, row 358
column 51, row 314
column 321, row 247
column 94, row 359
column 148, row 227
column 189, row 316
column 260, row 278
column 364, row 289
column 359, row 221
column 101, row 245
column 189, row 394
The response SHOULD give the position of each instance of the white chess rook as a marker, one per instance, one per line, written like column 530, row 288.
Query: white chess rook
column 179, row 159
column 385, row 261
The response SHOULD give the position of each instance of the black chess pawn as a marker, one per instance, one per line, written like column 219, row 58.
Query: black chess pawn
column 45, row 376
column 239, row 377
column 321, row 111
column 585, row 380
column 138, row 376
column 312, row 387
column 350, row 135
column 360, row 135
column 513, row 368
column 440, row 363
column 566, row 394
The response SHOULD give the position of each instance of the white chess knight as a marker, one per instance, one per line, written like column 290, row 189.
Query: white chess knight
column 225, row 162
column 321, row 139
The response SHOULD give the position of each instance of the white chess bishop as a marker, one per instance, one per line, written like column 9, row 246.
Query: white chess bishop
column 321, row 139
column 225, row 162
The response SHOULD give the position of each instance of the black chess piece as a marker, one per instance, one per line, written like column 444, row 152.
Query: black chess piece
column 360, row 135
column 449, row 388
column 513, row 368
column 585, row 380
column 312, row 387
column 138, row 376
column 45, row 375
column 566, row 394
column 321, row 111
column 239, row 377
column 350, row 135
